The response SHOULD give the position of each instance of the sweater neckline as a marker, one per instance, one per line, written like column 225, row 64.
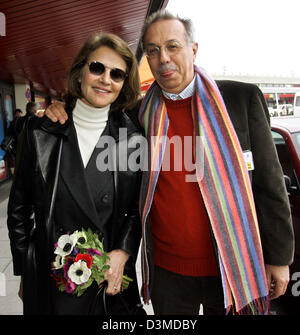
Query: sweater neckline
column 88, row 116
column 178, row 103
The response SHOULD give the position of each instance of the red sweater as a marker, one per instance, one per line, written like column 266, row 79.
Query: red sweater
column 179, row 221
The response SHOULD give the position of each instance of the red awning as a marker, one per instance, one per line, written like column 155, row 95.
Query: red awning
column 286, row 95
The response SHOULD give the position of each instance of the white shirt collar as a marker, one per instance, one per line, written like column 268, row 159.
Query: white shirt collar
column 186, row 93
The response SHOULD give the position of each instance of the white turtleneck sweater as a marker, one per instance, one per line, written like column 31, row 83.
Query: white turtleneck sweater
column 89, row 124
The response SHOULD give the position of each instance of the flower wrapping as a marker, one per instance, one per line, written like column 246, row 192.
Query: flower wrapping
column 80, row 260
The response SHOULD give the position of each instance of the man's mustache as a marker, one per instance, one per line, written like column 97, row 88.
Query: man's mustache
column 166, row 68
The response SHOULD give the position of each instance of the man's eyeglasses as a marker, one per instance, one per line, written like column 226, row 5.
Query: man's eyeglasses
column 171, row 48
column 98, row 68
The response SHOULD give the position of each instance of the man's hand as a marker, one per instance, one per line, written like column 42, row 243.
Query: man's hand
column 56, row 112
column 114, row 275
column 278, row 278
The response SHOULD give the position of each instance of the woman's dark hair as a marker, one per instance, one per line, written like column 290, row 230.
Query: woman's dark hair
column 130, row 92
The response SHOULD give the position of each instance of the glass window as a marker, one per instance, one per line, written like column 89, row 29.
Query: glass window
column 8, row 107
column 296, row 140
column 284, row 157
column 40, row 102
column 270, row 100
column 277, row 138
column 1, row 131
column 283, row 154
column 286, row 98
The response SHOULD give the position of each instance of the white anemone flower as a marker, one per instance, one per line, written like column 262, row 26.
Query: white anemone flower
column 65, row 245
column 79, row 273
column 59, row 262
column 81, row 237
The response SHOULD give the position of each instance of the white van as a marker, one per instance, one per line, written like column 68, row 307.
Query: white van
column 297, row 104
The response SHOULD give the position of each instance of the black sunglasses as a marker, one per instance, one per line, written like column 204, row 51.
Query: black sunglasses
column 98, row 68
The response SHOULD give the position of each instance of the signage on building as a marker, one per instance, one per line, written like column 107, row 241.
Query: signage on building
column 2, row 24
column 28, row 94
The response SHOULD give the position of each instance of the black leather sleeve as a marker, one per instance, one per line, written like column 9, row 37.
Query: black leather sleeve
column 20, row 209
column 131, row 232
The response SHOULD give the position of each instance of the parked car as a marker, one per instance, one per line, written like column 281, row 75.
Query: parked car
column 286, row 135
column 272, row 111
column 297, row 104
column 282, row 110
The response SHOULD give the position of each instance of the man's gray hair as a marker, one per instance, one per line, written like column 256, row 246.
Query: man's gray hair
column 163, row 14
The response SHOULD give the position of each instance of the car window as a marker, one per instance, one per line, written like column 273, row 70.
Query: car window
column 296, row 140
column 283, row 154
column 277, row 138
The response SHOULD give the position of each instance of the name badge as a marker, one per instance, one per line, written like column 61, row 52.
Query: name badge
column 248, row 160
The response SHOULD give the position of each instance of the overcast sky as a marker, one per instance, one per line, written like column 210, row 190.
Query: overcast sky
column 255, row 37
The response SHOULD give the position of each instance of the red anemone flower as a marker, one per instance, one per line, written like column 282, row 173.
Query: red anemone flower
column 87, row 258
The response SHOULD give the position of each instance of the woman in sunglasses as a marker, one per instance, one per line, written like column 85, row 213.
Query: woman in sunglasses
column 60, row 185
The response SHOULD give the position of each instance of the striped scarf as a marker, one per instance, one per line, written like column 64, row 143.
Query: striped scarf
column 225, row 186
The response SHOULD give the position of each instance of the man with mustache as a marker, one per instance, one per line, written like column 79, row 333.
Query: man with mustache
column 225, row 240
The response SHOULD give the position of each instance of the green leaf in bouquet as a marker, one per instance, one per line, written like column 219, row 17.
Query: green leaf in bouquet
column 124, row 286
column 80, row 289
column 61, row 288
column 88, row 283
column 99, row 279
column 99, row 261
column 126, row 278
column 97, row 275
column 125, row 282
column 90, row 236
column 103, row 262
column 99, row 245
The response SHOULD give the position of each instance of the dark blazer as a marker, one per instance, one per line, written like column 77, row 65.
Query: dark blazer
column 248, row 112
column 48, row 166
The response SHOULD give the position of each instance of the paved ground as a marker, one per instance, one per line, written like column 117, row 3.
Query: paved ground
column 10, row 303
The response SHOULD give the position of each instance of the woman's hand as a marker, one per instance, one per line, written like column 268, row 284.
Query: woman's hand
column 114, row 274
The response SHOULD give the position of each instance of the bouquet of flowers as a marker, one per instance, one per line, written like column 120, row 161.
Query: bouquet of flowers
column 80, row 259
